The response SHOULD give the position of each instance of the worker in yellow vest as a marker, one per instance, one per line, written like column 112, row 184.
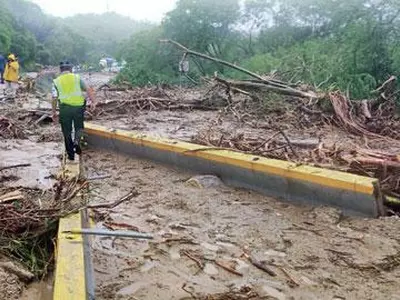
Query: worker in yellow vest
column 68, row 94
column 11, row 75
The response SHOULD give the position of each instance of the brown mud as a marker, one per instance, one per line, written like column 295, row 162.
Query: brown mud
column 316, row 253
column 201, row 233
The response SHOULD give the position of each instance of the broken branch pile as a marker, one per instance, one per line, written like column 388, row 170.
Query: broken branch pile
column 346, row 156
column 9, row 130
column 29, row 220
column 115, row 100
column 306, row 108
column 351, row 115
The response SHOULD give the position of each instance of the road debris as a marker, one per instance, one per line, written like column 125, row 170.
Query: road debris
column 200, row 233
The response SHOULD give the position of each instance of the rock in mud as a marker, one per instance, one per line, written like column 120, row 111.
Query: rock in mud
column 205, row 181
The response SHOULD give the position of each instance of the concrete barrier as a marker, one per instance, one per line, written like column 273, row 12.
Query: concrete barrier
column 355, row 195
column 74, row 277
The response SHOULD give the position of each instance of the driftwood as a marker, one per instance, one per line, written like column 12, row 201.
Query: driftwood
column 228, row 64
column 268, row 84
column 14, row 167
column 386, row 90
column 260, row 265
column 284, row 90
column 188, row 254
column 111, row 205
column 11, row 196
column 227, row 268
column 19, row 271
column 373, row 161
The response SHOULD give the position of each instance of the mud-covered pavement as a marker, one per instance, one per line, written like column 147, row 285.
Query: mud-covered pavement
column 315, row 252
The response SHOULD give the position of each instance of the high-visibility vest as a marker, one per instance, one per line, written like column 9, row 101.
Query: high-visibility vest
column 11, row 72
column 69, row 89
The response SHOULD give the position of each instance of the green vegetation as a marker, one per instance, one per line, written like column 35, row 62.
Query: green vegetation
column 351, row 45
column 39, row 38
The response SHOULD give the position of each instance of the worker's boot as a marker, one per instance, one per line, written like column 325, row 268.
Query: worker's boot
column 78, row 149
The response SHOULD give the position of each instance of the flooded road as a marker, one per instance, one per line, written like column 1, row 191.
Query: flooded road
column 42, row 290
column 44, row 160
column 203, row 229
column 201, row 235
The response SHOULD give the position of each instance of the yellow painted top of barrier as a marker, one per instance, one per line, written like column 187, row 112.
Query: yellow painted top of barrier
column 70, row 270
column 324, row 177
column 70, row 281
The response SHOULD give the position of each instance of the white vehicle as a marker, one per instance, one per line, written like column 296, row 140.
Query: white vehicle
column 111, row 65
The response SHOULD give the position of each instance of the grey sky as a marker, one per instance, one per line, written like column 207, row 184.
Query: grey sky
column 151, row 10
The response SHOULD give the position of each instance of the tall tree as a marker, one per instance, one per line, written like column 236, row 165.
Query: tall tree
column 203, row 25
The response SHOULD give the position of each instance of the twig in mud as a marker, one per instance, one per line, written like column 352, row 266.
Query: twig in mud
column 14, row 167
column 260, row 265
column 266, row 141
column 189, row 292
column 111, row 205
column 116, row 226
column 338, row 252
column 75, row 191
column 292, row 280
column 196, row 260
column 181, row 240
column 289, row 143
column 227, row 268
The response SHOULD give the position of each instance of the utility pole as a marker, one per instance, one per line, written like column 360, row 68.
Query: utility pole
column 107, row 6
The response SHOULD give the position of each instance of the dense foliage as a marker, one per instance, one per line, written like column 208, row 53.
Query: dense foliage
column 347, row 44
column 352, row 45
column 39, row 38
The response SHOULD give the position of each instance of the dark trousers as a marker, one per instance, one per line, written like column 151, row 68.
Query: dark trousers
column 71, row 115
column 1, row 76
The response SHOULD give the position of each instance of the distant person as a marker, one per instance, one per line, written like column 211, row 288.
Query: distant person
column 11, row 75
column 67, row 92
column 2, row 66
column 109, row 63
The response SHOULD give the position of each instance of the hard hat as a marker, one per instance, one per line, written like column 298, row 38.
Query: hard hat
column 11, row 57
column 65, row 64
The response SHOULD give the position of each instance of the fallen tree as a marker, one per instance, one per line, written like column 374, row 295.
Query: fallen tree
column 348, row 114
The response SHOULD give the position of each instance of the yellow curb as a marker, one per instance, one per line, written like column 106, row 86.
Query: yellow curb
column 323, row 177
column 70, row 281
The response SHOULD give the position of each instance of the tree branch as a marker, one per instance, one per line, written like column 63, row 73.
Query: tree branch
column 228, row 64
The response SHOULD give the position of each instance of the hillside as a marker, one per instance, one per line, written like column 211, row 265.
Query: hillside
column 37, row 37
column 104, row 31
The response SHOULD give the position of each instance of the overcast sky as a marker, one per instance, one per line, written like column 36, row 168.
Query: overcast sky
column 151, row 10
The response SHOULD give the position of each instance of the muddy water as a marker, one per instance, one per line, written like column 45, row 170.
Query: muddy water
column 43, row 157
column 42, row 290
column 315, row 252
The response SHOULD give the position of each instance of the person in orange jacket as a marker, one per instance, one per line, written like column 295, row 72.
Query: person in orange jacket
column 11, row 75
